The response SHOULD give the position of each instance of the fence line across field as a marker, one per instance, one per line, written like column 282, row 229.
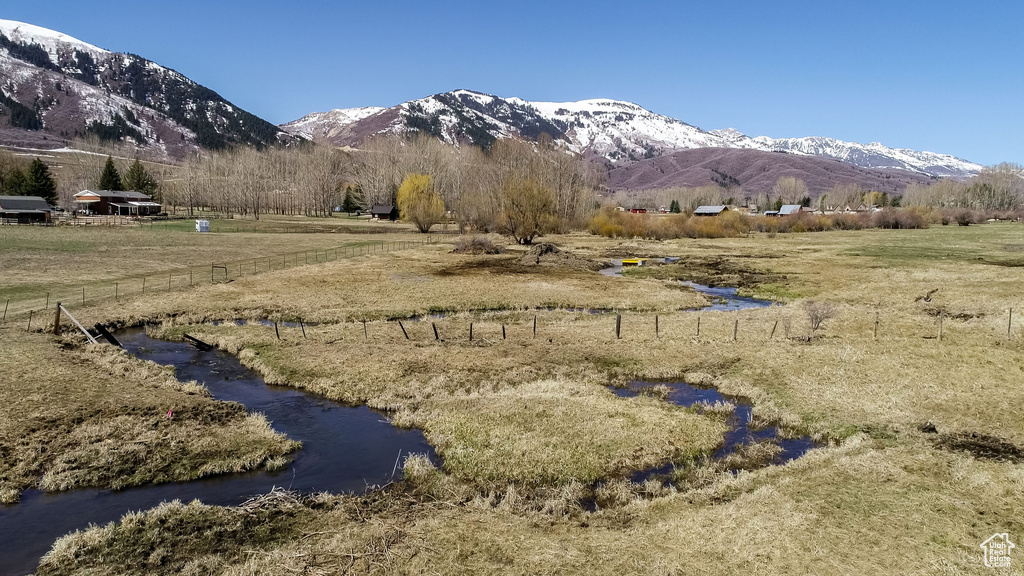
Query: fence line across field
column 184, row 278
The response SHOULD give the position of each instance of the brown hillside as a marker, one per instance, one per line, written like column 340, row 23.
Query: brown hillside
column 754, row 170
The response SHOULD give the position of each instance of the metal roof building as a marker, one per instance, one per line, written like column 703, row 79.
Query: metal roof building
column 710, row 210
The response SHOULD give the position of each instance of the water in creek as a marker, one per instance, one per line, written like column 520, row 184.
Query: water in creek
column 344, row 449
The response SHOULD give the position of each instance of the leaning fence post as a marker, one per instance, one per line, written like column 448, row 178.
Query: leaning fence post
column 5, row 308
column 502, row 331
column 303, row 326
column 406, row 334
column 434, row 326
column 774, row 326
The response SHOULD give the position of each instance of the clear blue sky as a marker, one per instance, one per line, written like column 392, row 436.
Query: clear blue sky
column 939, row 75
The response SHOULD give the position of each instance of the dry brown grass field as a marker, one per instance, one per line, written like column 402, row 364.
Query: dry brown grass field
column 919, row 458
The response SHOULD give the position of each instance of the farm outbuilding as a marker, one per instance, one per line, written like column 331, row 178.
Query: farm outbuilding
column 384, row 212
column 116, row 202
column 710, row 210
column 24, row 210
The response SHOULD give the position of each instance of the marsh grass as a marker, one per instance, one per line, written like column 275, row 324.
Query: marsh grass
column 97, row 417
column 879, row 493
column 867, row 505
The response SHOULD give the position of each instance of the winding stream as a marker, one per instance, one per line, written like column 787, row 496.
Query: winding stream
column 344, row 449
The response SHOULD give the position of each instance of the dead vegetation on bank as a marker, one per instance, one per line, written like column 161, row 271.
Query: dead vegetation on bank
column 94, row 416
column 866, row 388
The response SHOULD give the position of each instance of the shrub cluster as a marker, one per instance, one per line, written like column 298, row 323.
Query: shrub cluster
column 615, row 224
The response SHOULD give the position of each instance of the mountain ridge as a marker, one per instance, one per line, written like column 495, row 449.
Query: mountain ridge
column 615, row 131
column 64, row 87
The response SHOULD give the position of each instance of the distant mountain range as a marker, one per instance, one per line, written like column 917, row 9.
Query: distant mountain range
column 54, row 87
column 618, row 132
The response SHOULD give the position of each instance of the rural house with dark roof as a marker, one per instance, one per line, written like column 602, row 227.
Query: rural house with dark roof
column 24, row 210
column 116, row 203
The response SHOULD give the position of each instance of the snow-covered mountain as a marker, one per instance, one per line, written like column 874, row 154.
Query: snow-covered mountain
column 55, row 87
column 619, row 132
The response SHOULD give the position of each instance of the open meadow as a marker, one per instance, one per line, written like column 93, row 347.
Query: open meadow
column 911, row 389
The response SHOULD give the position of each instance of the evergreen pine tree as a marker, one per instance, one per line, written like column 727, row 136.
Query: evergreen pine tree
column 111, row 178
column 353, row 199
column 15, row 182
column 138, row 179
column 40, row 183
column 674, row 208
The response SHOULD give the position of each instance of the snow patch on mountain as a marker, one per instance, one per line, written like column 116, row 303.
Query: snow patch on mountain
column 620, row 132
column 318, row 124
column 51, row 40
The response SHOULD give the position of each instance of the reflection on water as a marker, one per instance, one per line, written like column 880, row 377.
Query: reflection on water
column 344, row 449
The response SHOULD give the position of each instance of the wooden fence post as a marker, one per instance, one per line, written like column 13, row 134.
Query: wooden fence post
column 366, row 335
column 303, row 326
column 876, row 326
column 47, row 304
column 735, row 329
column 940, row 326
column 657, row 331
column 276, row 332
column 56, row 321
column 535, row 327
column 698, row 326
column 29, row 328
column 406, row 334
column 83, row 294
column 143, row 287
column 1009, row 324
column 618, row 326
column 774, row 326
column 434, row 326
column 502, row 331
column 5, row 308
column 470, row 331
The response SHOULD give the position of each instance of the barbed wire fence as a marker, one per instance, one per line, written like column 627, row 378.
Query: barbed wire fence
column 23, row 308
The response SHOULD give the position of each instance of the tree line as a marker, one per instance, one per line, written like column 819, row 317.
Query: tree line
column 522, row 188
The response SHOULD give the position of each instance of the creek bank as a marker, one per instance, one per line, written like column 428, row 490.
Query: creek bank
column 345, row 449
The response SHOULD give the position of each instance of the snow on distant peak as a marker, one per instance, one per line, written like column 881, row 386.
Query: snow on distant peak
column 48, row 39
column 323, row 124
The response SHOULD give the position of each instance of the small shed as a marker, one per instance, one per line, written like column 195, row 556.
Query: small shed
column 384, row 212
column 710, row 210
column 24, row 210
